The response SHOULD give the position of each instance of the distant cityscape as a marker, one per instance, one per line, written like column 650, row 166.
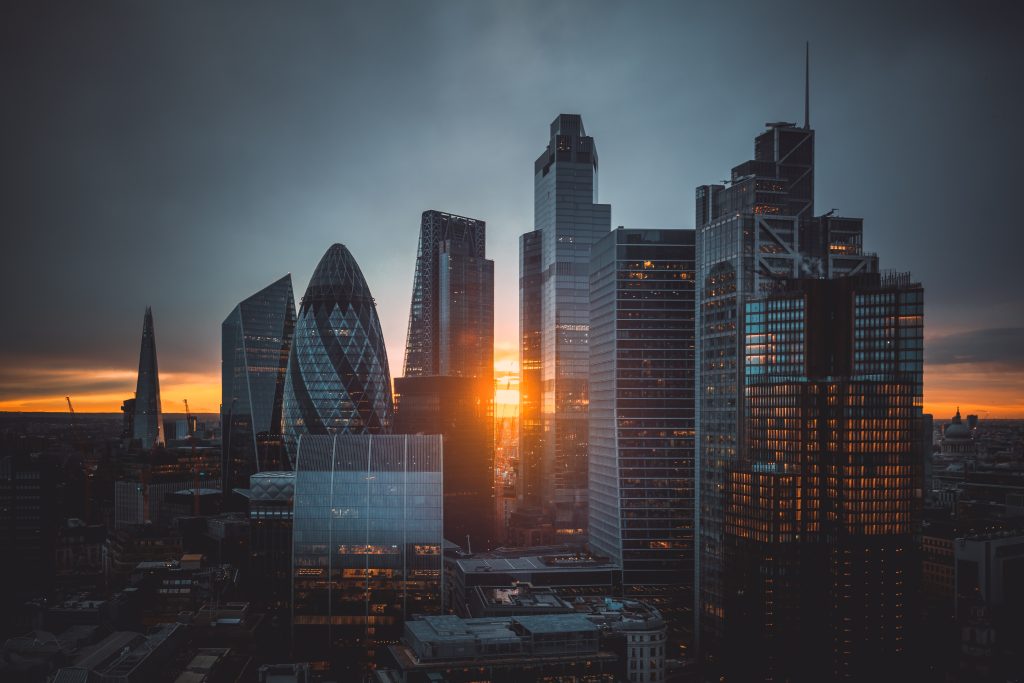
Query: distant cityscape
column 720, row 469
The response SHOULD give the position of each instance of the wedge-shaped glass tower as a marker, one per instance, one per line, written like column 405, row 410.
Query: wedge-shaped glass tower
column 256, row 339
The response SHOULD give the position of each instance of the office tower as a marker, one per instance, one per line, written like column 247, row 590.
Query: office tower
column 338, row 380
column 823, row 502
column 753, row 232
column 449, row 364
column 256, row 339
column 451, row 319
column 555, row 278
column 367, row 533
column 641, row 416
column 455, row 408
column 149, row 421
column 271, row 504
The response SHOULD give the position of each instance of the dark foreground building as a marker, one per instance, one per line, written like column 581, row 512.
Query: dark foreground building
column 366, row 528
column 457, row 409
column 823, row 502
column 449, row 366
column 256, row 339
column 641, row 416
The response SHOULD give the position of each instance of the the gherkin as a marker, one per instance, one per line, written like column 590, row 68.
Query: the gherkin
column 338, row 380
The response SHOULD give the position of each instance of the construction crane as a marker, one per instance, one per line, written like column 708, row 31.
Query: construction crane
column 188, row 419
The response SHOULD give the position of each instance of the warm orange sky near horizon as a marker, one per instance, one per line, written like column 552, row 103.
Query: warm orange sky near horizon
column 989, row 392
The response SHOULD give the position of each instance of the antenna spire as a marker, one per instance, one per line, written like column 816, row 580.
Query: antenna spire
column 807, row 84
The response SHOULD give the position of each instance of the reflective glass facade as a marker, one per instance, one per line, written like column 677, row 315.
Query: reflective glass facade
column 338, row 380
column 148, row 422
column 367, row 537
column 823, row 502
column 756, row 230
column 641, row 466
column 256, row 340
column 569, row 221
column 451, row 319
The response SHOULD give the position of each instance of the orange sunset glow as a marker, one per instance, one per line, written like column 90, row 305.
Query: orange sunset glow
column 974, row 388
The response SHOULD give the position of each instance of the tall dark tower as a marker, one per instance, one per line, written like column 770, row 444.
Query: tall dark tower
column 641, row 417
column 256, row 339
column 451, row 319
column 554, row 277
column 755, row 234
column 149, row 419
column 449, row 384
column 823, row 501
column 338, row 380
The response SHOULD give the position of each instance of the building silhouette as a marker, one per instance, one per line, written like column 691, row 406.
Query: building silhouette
column 642, row 416
column 758, row 241
column 449, row 364
column 824, row 500
column 554, row 310
column 256, row 340
column 366, row 551
column 451, row 318
column 148, row 423
column 338, row 380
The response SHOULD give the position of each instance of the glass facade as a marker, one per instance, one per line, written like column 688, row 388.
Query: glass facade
column 256, row 340
column 457, row 408
column 756, row 230
column 148, row 423
column 451, row 319
column 338, row 380
column 823, row 502
column 367, row 539
column 569, row 222
column 641, row 465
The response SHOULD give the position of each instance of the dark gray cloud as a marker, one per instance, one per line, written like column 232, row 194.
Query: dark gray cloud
column 997, row 348
column 185, row 154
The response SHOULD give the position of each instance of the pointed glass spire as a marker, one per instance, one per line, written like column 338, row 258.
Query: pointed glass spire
column 149, row 420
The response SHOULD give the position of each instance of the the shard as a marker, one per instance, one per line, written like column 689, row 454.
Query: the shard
column 338, row 381
column 149, row 420
column 256, row 339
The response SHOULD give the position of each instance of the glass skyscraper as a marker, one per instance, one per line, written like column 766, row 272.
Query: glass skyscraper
column 823, row 503
column 642, row 416
column 754, row 232
column 449, row 365
column 367, row 539
column 451, row 318
column 149, row 420
column 338, row 380
column 555, row 278
column 256, row 339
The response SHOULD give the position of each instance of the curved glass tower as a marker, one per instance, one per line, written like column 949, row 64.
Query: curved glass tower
column 338, row 380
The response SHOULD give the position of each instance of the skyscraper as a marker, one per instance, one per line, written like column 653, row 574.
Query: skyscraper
column 256, row 339
column 555, row 278
column 149, row 419
column 641, row 416
column 338, row 380
column 754, row 232
column 449, row 384
column 823, row 501
column 366, row 543
column 451, row 318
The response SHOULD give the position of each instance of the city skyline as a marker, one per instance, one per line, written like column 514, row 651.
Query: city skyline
column 114, row 195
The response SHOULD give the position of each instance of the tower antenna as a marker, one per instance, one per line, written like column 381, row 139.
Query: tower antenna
column 807, row 84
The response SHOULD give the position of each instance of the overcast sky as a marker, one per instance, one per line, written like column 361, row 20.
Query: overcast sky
column 185, row 154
